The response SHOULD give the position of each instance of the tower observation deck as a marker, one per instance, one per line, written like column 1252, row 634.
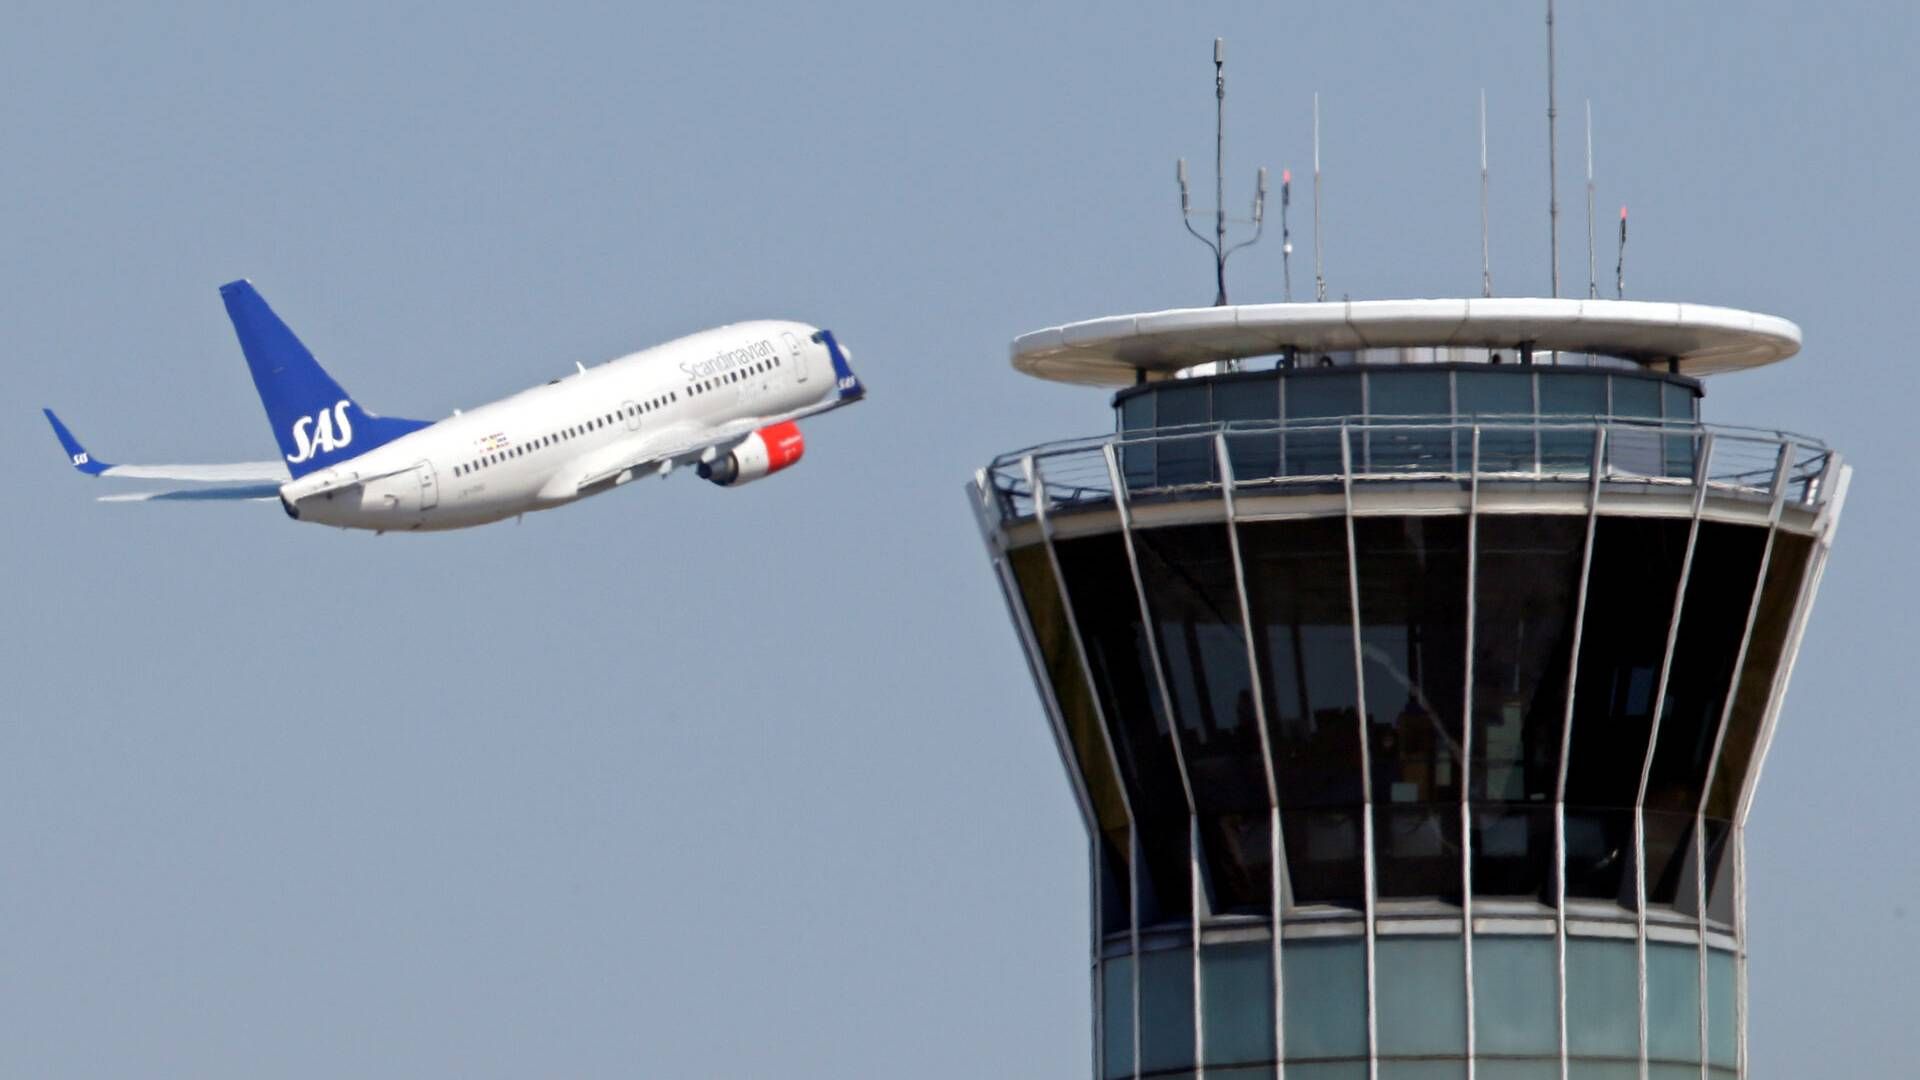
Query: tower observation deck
column 1413, row 664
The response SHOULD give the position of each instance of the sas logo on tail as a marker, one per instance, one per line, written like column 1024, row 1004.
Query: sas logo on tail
column 325, row 439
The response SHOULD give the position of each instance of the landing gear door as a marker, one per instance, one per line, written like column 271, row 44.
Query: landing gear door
column 429, row 485
column 795, row 358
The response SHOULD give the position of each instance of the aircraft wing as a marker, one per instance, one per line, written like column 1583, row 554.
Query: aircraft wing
column 676, row 448
column 262, row 479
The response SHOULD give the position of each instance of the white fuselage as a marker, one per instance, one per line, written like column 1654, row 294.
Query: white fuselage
column 579, row 435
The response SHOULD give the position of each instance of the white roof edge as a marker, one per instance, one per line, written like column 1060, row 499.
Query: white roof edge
column 1110, row 351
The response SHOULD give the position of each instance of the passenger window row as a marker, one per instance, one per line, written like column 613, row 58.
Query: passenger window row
column 736, row 375
column 566, row 434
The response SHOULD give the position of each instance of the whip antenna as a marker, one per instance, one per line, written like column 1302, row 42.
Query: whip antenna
column 1218, row 245
column 1319, row 278
column 1553, row 169
column 1486, row 271
column 1592, row 289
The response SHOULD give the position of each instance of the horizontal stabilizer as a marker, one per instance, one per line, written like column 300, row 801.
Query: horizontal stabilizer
column 248, row 492
column 216, row 473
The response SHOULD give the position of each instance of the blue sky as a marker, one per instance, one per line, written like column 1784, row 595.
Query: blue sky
column 691, row 782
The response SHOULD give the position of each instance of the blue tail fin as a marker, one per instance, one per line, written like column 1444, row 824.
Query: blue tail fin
column 316, row 423
column 844, row 380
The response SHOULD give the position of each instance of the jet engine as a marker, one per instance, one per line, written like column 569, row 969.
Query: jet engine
column 760, row 454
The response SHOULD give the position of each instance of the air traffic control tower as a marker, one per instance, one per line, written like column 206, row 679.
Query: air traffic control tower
column 1413, row 663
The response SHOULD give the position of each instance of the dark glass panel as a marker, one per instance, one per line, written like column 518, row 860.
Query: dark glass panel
column 1636, row 448
column 1719, row 594
column 1409, row 393
column 1116, row 1017
column 1315, row 395
column 1570, row 394
column 1670, row 860
column 1041, row 598
column 1680, row 402
column 1188, row 573
column 1137, row 459
column 1316, row 452
column 1425, row 394
column 1630, row 595
column 1299, row 597
column 1416, row 849
column 1527, row 576
column 1413, row 614
column 1136, row 412
column 1494, row 398
column 1713, row 619
column 1635, row 396
column 1107, row 610
column 1236, row 1002
column 1786, row 569
column 1166, row 1010
column 1600, row 854
column 1527, row 580
column 1495, row 391
column 1719, row 838
column 1238, row 853
column 1116, row 887
column 1681, row 407
column 1186, row 460
column 1513, row 851
column 1253, row 455
column 1323, row 852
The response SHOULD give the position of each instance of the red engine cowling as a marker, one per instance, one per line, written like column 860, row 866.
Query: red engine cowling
column 760, row 454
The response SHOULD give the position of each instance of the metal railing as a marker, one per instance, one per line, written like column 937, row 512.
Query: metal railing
column 1278, row 457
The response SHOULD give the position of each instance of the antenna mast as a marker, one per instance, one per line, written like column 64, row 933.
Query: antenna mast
column 1319, row 278
column 1286, row 234
column 1592, row 289
column 1219, row 168
column 1218, row 244
column 1553, row 168
column 1620, row 265
column 1486, row 269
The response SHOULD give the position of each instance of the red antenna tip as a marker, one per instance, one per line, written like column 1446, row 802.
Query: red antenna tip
column 1286, row 176
column 1623, row 213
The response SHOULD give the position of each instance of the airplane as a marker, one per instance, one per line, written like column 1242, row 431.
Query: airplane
column 726, row 402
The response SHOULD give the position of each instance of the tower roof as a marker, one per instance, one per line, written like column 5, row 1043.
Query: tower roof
column 1699, row 339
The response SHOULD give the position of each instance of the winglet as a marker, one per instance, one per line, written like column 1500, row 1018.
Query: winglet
column 76, row 453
